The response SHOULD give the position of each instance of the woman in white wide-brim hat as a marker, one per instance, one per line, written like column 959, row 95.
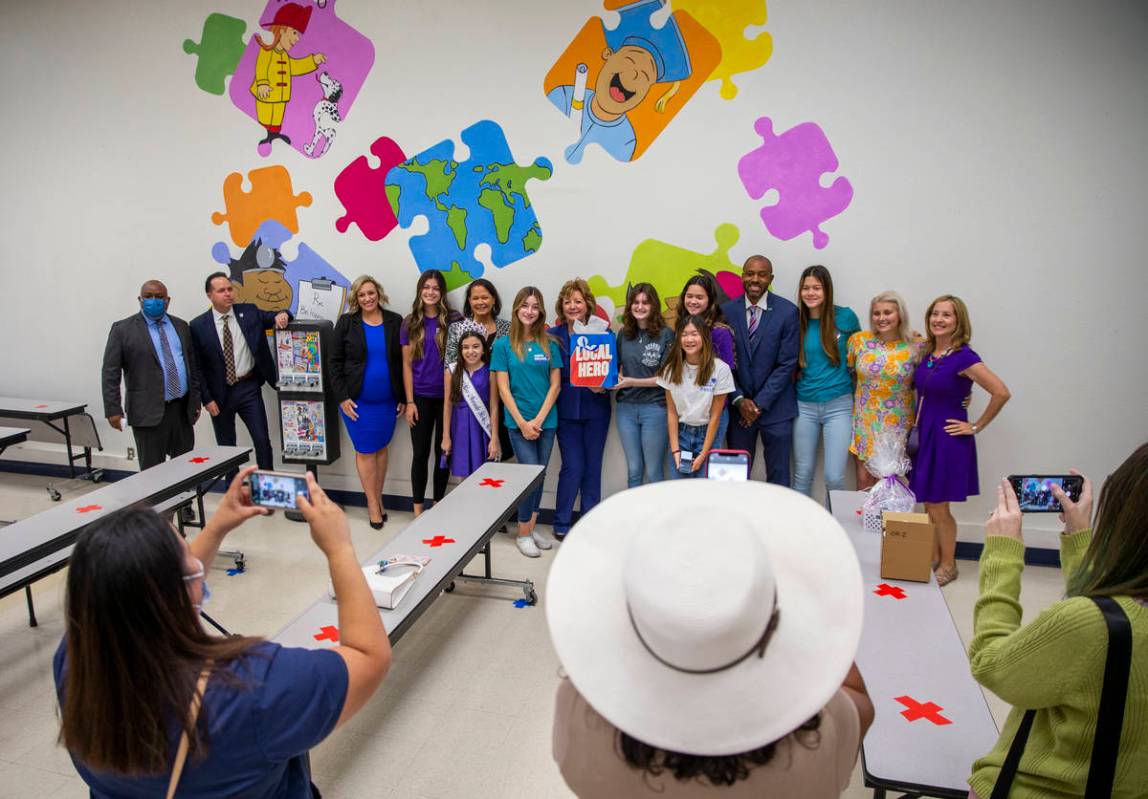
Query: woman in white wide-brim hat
column 708, row 631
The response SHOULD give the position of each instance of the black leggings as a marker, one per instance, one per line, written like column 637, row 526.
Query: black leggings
column 427, row 427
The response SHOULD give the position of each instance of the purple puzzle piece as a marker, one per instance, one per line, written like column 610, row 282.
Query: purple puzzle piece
column 362, row 189
column 793, row 163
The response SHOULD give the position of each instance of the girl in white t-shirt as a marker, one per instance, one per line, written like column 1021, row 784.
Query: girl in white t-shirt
column 696, row 385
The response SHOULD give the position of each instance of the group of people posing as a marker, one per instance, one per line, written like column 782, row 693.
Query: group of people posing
column 474, row 386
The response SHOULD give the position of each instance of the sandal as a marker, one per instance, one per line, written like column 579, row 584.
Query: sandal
column 946, row 576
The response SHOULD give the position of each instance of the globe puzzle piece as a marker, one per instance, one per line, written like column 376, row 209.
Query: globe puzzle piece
column 667, row 267
column 271, row 197
column 727, row 20
column 480, row 200
column 362, row 189
column 793, row 164
column 220, row 47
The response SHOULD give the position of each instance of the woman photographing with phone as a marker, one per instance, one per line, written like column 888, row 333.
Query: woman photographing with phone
column 945, row 465
column 1081, row 738
column 150, row 702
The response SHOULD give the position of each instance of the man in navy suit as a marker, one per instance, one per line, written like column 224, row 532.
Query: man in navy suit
column 234, row 362
column 766, row 342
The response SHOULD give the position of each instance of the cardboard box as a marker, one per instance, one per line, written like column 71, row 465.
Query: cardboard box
column 906, row 546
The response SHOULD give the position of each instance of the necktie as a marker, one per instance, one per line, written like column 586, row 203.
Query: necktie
column 228, row 351
column 170, row 372
column 754, row 312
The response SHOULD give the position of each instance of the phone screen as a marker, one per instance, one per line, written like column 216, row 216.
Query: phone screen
column 276, row 490
column 1034, row 491
column 728, row 465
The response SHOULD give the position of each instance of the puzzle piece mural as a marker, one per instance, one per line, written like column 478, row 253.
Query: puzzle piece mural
column 667, row 267
column 270, row 197
column 727, row 20
column 481, row 200
column 793, row 163
column 220, row 47
column 624, row 85
column 262, row 276
column 270, row 87
column 362, row 189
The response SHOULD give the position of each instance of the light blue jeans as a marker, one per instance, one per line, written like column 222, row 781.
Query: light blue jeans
column 833, row 418
column 645, row 440
column 535, row 453
column 691, row 438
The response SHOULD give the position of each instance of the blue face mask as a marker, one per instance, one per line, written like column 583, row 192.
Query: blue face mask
column 153, row 307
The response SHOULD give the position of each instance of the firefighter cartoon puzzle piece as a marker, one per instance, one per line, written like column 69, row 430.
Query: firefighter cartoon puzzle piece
column 793, row 164
column 299, row 76
column 220, row 47
column 362, row 189
column 270, row 197
column 667, row 267
column 623, row 85
column 728, row 20
column 482, row 200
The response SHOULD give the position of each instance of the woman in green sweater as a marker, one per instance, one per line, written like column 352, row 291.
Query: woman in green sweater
column 1055, row 664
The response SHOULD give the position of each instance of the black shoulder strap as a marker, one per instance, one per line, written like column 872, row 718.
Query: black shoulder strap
column 1118, row 664
column 1110, row 718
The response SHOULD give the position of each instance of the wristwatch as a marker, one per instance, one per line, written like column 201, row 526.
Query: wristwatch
column 974, row 426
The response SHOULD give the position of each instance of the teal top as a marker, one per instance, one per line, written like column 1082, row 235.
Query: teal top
column 820, row 380
column 529, row 378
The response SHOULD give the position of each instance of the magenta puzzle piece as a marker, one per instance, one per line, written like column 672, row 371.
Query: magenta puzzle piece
column 362, row 189
column 793, row 163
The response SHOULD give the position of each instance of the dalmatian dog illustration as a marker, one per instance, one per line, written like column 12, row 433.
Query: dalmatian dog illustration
column 326, row 115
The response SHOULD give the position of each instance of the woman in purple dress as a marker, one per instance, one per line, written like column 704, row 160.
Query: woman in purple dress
column 945, row 466
column 470, row 415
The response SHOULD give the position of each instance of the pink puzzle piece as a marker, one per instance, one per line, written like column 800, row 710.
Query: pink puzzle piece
column 362, row 189
column 793, row 163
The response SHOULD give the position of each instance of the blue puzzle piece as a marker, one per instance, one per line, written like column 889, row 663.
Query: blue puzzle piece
column 521, row 603
column 482, row 200
column 233, row 572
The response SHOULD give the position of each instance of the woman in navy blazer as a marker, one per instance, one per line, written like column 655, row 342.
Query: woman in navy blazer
column 583, row 416
column 765, row 400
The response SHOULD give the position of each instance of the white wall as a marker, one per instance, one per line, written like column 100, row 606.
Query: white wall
column 996, row 151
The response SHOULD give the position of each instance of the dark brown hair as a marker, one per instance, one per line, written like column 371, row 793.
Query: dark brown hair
column 676, row 360
column 828, row 322
column 713, row 313
column 656, row 321
column 719, row 769
column 414, row 321
column 460, row 364
column 134, row 647
column 1116, row 561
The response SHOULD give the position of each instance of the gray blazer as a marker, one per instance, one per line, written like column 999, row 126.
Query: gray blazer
column 130, row 351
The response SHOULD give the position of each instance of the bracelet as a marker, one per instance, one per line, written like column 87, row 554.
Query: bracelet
column 675, row 451
column 974, row 426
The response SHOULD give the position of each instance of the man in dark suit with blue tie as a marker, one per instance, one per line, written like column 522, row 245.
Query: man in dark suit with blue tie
column 766, row 343
column 152, row 353
column 234, row 363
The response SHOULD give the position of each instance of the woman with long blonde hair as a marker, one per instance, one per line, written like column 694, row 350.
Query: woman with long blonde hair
column 527, row 366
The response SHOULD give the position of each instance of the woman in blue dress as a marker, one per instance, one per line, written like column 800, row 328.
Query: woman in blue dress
column 367, row 377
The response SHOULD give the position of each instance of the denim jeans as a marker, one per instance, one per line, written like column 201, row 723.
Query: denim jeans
column 535, row 453
column 645, row 440
column 691, row 439
column 833, row 418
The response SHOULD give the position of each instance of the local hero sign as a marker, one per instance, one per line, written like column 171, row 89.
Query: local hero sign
column 592, row 361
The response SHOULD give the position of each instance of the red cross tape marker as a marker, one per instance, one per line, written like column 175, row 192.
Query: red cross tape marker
column 89, row 508
column 437, row 541
column 200, row 459
column 492, row 482
column 327, row 633
column 895, row 591
column 917, row 710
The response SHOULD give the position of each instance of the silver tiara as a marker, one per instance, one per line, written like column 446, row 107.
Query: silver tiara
column 467, row 326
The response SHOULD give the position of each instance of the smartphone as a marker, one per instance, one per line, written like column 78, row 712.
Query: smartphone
column 1034, row 491
column 685, row 462
column 276, row 489
column 728, row 464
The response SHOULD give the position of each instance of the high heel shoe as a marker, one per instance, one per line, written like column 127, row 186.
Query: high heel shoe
column 378, row 525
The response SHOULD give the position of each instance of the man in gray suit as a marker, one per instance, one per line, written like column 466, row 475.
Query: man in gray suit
column 154, row 353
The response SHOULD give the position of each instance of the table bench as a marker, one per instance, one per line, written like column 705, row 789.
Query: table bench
column 55, row 421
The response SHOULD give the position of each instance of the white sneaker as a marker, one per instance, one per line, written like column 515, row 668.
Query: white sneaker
column 541, row 541
column 527, row 546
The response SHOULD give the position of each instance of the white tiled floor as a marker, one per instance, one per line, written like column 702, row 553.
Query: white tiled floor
column 465, row 711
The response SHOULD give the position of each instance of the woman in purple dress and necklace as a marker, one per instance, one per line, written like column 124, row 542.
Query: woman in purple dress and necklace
column 945, row 466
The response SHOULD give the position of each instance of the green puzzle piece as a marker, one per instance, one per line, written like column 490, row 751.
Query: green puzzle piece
column 219, row 48
column 667, row 267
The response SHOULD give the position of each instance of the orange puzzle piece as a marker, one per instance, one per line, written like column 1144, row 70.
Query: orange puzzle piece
column 271, row 197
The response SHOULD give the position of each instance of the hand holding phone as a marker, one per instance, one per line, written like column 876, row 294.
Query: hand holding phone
column 1035, row 494
column 277, row 489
